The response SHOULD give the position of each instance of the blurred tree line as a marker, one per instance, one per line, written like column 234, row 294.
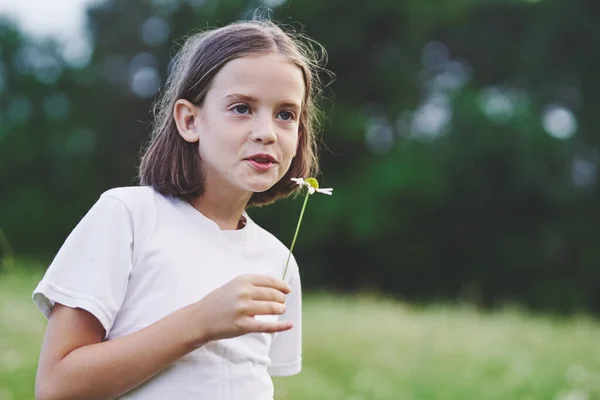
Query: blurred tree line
column 461, row 140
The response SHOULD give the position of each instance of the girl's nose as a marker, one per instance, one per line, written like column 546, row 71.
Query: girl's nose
column 264, row 132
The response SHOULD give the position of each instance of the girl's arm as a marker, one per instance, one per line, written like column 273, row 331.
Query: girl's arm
column 76, row 364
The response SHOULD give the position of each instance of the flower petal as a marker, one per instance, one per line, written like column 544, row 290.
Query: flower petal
column 299, row 181
column 311, row 189
column 328, row 191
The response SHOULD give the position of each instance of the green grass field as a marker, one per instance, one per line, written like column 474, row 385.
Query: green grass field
column 367, row 349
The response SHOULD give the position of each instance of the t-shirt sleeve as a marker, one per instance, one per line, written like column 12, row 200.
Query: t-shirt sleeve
column 91, row 270
column 286, row 348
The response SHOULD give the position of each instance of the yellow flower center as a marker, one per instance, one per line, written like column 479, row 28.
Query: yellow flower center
column 312, row 182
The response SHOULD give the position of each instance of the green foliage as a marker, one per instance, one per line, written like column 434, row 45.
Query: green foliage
column 446, row 179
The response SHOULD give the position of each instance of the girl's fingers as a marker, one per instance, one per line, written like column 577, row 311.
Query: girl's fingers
column 267, row 294
column 257, row 325
column 266, row 308
column 269, row 281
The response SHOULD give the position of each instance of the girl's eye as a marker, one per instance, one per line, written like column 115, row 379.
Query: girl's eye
column 241, row 109
column 287, row 116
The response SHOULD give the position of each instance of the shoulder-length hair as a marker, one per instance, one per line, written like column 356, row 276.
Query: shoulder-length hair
column 173, row 166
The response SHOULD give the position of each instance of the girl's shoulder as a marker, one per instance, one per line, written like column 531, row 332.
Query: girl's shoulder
column 140, row 202
column 269, row 240
column 132, row 196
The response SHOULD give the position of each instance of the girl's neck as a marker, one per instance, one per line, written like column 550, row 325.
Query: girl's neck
column 221, row 208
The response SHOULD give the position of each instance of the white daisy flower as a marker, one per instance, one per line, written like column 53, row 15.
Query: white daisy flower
column 313, row 186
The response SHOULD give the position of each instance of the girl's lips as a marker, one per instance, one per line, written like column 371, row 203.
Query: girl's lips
column 261, row 166
column 262, row 157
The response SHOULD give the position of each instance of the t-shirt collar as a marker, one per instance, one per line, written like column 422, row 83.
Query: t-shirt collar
column 236, row 237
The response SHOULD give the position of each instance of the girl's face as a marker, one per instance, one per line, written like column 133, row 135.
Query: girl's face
column 247, row 128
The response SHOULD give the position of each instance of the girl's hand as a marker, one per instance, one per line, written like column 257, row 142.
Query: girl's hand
column 229, row 311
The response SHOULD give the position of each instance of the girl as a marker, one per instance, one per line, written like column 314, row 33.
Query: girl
column 169, row 290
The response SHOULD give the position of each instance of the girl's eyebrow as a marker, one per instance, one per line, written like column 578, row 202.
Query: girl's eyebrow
column 241, row 97
column 251, row 99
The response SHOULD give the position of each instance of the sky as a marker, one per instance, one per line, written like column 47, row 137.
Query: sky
column 63, row 20
column 43, row 18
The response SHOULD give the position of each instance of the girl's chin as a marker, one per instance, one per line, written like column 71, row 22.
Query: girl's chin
column 259, row 184
column 259, row 187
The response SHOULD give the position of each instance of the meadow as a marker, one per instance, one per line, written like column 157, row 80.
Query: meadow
column 371, row 348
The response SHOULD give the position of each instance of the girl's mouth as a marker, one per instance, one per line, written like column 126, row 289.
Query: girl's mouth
column 260, row 164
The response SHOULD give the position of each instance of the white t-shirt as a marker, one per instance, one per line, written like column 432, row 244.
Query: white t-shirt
column 138, row 256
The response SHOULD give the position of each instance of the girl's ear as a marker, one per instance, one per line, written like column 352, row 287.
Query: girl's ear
column 185, row 115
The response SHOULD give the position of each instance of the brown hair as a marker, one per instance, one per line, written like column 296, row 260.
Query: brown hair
column 173, row 166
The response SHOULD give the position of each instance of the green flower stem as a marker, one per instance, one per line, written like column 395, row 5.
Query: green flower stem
column 296, row 234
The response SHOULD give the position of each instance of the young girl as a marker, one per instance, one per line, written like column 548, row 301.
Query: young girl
column 169, row 290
